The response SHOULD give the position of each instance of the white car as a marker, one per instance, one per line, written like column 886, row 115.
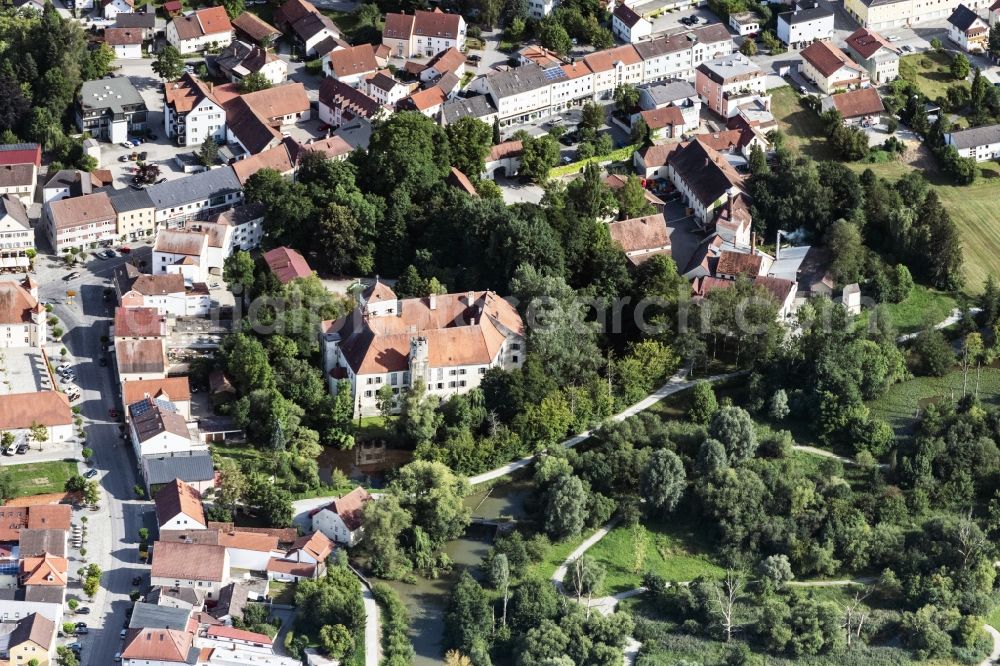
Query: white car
column 63, row 368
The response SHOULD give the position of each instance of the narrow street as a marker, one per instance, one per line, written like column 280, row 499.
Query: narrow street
column 112, row 533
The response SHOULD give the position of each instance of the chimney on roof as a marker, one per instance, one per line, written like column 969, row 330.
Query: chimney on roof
column 432, row 301
column 211, row 86
column 753, row 243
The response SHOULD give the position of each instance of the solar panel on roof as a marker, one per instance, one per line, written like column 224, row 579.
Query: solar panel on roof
column 553, row 73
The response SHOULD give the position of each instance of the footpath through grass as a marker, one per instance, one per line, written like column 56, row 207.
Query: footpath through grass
column 675, row 551
column 924, row 307
column 40, row 478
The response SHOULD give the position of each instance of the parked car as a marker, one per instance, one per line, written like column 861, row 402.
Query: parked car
column 82, row 631
column 122, row 634
column 136, row 141
column 124, row 158
column 83, row 610
column 137, row 580
column 90, row 473
column 113, row 413
column 474, row 57
column 124, row 250
column 72, row 276
column 103, row 362
column 126, row 144
column 143, row 155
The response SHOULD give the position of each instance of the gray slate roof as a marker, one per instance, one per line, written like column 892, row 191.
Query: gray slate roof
column 477, row 107
column 114, row 93
column 963, row 18
column 805, row 15
column 977, row 136
column 517, row 80
column 36, row 542
column 196, row 187
column 186, row 468
column 151, row 616
column 670, row 91
column 11, row 205
column 128, row 199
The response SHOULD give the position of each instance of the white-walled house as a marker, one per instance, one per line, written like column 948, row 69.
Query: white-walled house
column 342, row 519
column 167, row 293
column 200, row 30
column 423, row 33
column 158, row 429
column 17, row 238
column 979, row 143
column 112, row 8
column 745, row 23
column 805, row 24
column 830, row 68
column 51, row 409
column 22, row 317
column 967, row 29
column 181, row 251
column 179, row 507
column 203, row 567
column 191, row 113
column 628, row 25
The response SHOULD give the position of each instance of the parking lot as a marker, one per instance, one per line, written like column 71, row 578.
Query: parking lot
column 161, row 151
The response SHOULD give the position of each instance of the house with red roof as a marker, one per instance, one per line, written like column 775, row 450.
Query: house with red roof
column 287, row 264
column 200, row 30
column 342, row 520
column 423, row 33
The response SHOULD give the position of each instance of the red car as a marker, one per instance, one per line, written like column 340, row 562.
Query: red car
column 124, row 250
column 113, row 413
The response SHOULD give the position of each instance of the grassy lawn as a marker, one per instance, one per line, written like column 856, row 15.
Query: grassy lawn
column 925, row 307
column 974, row 209
column 40, row 478
column 930, row 72
column 556, row 555
column 281, row 593
column 802, row 127
column 901, row 402
column 675, row 551
column 236, row 451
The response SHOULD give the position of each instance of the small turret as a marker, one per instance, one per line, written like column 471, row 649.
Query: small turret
column 419, row 359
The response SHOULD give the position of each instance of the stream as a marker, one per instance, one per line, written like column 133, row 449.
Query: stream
column 426, row 599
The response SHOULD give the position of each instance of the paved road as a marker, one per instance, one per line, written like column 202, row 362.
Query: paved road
column 113, row 529
column 373, row 639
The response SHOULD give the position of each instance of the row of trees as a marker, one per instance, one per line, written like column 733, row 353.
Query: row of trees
column 904, row 221
column 43, row 60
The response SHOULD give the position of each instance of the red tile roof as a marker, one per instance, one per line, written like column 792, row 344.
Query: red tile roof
column 139, row 323
column 49, row 517
column 238, row 634
column 350, row 507
column 287, row 264
column 178, row 498
column 291, row 568
column 827, row 58
column 856, row 103
column 176, row 389
column 20, row 410
column 866, row 43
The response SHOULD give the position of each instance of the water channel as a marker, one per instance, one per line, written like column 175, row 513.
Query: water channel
column 426, row 599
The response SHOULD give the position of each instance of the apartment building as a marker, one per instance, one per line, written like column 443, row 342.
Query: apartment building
column 727, row 83
column 883, row 14
column 191, row 112
column 79, row 221
column 196, row 196
column 807, row 23
column 873, row 52
column 544, row 83
column 423, row 33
